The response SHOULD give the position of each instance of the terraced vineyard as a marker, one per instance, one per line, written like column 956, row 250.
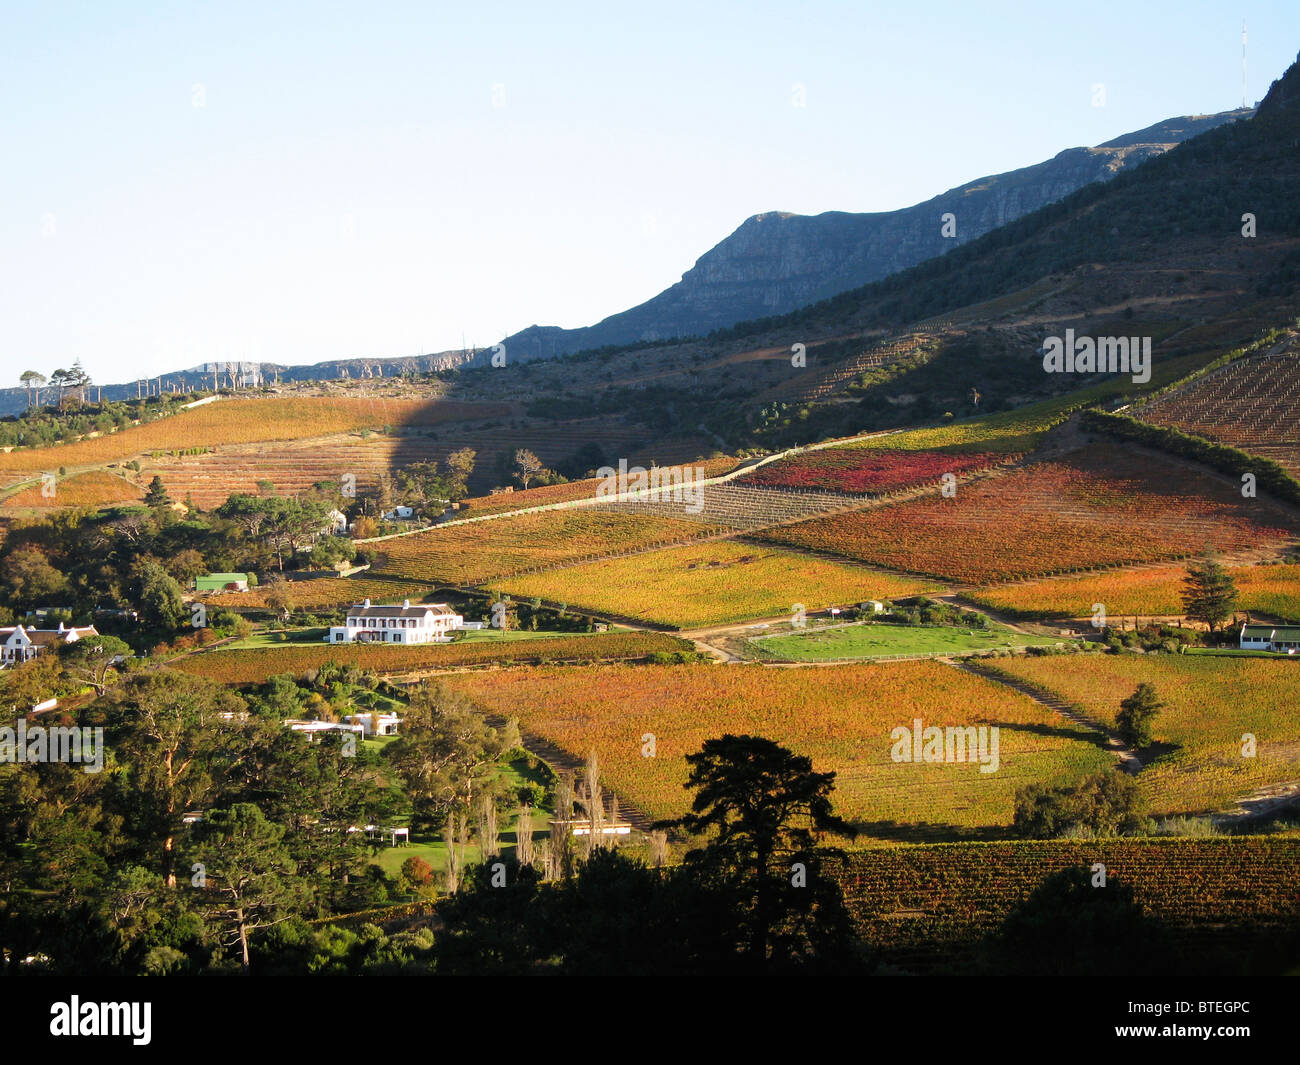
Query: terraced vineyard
column 1211, row 704
column 840, row 716
column 712, row 584
column 1100, row 506
column 255, row 665
column 809, row 388
column 246, row 421
column 1251, row 403
column 296, row 465
column 1273, row 590
column 292, row 467
column 484, row 551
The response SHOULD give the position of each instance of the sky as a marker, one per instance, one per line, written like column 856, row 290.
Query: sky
column 295, row 182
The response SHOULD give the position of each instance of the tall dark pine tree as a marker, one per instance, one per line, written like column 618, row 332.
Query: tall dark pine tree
column 1209, row 594
column 156, row 495
column 761, row 804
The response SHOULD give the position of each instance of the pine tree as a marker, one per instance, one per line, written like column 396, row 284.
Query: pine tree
column 1209, row 594
column 156, row 494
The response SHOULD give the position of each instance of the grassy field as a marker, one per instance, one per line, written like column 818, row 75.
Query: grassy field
column 877, row 640
column 1095, row 507
column 712, row 584
column 483, row 551
column 841, row 716
column 247, row 421
column 434, row 851
column 277, row 638
column 1272, row 590
column 1212, row 702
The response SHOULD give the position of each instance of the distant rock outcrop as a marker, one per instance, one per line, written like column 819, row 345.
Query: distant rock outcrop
column 777, row 262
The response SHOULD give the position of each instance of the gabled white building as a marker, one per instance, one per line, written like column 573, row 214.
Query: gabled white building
column 336, row 523
column 19, row 644
column 425, row 623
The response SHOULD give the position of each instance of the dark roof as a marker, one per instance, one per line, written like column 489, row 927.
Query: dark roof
column 360, row 609
column 1286, row 633
column 49, row 637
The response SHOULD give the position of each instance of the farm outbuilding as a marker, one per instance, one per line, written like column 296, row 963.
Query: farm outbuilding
column 221, row 582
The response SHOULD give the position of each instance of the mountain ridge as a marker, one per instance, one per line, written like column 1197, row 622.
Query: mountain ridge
column 778, row 261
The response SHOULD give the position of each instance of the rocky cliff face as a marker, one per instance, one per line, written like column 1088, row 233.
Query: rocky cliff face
column 777, row 262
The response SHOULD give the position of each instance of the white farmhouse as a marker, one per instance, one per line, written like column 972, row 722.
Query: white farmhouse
column 426, row 623
column 19, row 644
column 336, row 523
column 1281, row 638
column 314, row 730
column 375, row 723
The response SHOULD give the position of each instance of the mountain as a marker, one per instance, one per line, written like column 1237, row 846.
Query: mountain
column 776, row 262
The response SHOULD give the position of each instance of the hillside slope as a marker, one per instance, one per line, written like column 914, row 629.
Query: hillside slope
column 776, row 262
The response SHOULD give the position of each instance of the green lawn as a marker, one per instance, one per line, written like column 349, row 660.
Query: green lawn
column 272, row 639
column 434, row 851
column 873, row 640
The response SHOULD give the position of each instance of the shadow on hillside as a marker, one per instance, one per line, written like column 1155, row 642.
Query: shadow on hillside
column 1158, row 752
column 1060, row 732
column 929, row 832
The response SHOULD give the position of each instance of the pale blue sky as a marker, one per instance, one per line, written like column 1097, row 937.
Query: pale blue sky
column 302, row 181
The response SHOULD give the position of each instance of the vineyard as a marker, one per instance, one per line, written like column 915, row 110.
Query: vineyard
column 737, row 506
column 862, row 471
column 1273, row 590
column 1098, row 507
column 1211, row 703
column 1251, row 403
column 247, row 421
column 1021, row 430
column 484, row 551
column 255, row 665
column 292, row 466
column 928, row 906
column 712, row 584
column 562, row 493
column 839, row 716
column 98, row 488
column 319, row 592
column 533, row 497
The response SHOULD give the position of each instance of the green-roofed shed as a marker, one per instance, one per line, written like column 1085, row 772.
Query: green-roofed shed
column 222, row 582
